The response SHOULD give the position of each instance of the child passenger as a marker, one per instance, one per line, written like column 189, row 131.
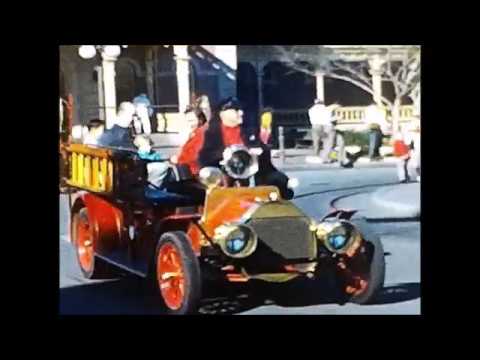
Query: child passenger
column 157, row 167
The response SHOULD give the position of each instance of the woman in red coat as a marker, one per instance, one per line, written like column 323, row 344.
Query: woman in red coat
column 188, row 154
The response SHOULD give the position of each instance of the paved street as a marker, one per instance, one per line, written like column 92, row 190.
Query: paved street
column 318, row 190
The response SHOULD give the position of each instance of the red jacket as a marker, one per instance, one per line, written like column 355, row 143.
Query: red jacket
column 400, row 149
column 232, row 136
column 189, row 151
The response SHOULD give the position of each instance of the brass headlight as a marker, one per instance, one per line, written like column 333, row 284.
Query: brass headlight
column 210, row 177
column 237, row 241
column 239, row 162
column 338, row 236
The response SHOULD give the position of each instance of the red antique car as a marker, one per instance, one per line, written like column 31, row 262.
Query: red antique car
column 193, row 227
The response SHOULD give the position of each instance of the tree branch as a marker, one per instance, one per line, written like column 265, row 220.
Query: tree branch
column 354, row 72
column 358, row 84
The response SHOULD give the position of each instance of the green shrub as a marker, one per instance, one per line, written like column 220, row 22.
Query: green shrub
column 360, row 139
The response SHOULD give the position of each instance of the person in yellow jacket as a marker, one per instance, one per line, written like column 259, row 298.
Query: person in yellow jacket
column 266, row 125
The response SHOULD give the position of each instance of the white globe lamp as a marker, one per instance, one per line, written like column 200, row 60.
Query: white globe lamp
column 87, row 51
column 112, row 50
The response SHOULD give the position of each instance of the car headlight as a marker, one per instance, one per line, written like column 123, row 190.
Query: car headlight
column 337, row 241
column 338, row 236
column 239, row 163
column 210, row 177
column 237, row 241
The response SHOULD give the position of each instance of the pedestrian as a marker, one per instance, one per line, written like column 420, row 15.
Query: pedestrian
column 323, row 129
column 266, row 125
column 143, row 112
column 402, row 152
column 413, row 140
column 375, row 119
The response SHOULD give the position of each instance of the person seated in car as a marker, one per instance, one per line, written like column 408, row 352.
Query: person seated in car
column 95, row 127
column 157, row 167
column 188, row 155
column 119, row 135
column 224, row 130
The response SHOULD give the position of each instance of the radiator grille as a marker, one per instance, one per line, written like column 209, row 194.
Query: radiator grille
column 287, row 237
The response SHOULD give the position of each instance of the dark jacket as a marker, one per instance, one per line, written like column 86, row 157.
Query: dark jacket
column 212, row 153
column 117, row 137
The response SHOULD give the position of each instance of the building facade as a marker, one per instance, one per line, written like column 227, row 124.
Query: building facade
column 171, row 75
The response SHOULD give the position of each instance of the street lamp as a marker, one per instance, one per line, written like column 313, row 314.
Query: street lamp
column 106, row 87
column 89, row 51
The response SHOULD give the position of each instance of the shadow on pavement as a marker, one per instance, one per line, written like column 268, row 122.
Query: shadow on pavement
column 131, row 296
column 398, row 293
column 125, row 296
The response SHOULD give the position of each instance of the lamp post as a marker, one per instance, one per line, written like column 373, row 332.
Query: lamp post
column 109, row 55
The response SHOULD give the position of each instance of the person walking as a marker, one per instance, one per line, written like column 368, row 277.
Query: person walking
column 402, row 153
column 375, row 118
column 413, row 140
column 323, row 129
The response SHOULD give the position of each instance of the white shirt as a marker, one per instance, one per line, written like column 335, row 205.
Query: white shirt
column 375, row 115
column 90, row 139
column 320, row 115
column 142, row 113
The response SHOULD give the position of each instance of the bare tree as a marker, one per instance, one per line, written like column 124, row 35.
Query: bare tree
column 403, row 72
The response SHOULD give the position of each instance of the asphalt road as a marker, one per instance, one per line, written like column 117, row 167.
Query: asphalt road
column 401, row 241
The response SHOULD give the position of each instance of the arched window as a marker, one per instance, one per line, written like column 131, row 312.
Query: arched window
column 125, row 81
column 165, row 79
column 285, row 88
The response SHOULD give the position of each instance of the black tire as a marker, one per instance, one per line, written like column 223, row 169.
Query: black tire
column 100, row 269
column 377, row 274
column 191, row 270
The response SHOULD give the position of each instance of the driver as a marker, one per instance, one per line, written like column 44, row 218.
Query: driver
column 224, row 130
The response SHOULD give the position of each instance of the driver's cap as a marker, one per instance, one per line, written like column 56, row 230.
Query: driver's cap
column 229, row 103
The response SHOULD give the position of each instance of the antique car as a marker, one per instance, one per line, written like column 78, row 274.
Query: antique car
column 196, row 227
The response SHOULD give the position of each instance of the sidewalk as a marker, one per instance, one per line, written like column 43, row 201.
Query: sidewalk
column 300, row 159
column 295, row 159
column 395, row 202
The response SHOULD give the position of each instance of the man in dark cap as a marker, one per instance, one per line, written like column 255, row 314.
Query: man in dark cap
column 224, row 130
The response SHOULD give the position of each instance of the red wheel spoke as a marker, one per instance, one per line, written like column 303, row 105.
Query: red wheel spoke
column 170, row 276
column 83, row 241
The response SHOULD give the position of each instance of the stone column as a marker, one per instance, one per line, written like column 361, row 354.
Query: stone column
column 376, row 63
column 110, row 99
column 320, row 86
column 101, row 95
column 149, row 74
column 259, row 66
column 183, row 76
column 260, row 88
